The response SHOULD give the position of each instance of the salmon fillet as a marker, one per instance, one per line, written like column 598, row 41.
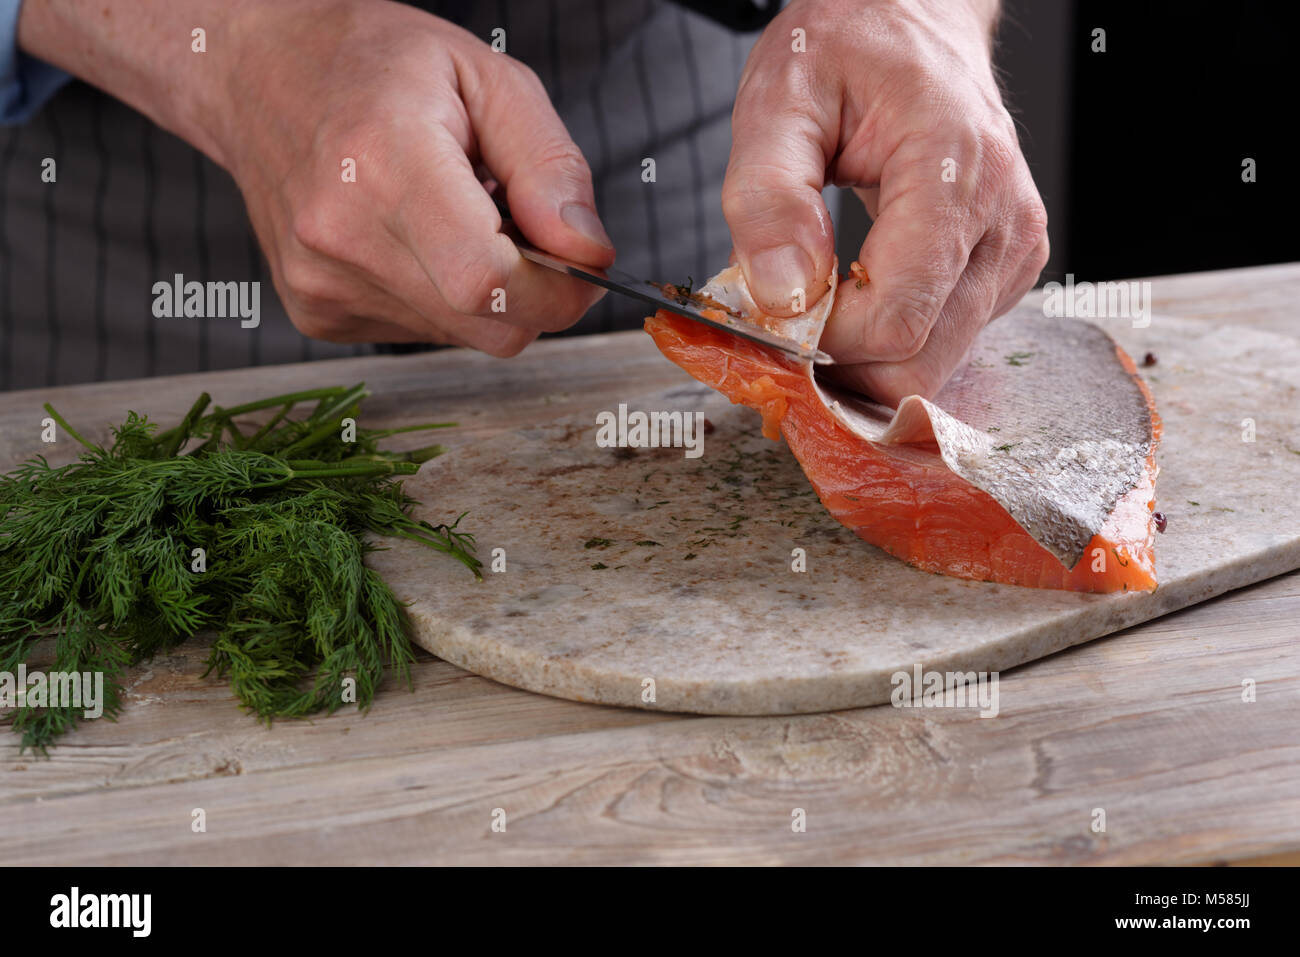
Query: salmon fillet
column 903, row 498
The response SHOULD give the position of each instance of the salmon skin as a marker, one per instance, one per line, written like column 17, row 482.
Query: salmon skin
column 900, row 488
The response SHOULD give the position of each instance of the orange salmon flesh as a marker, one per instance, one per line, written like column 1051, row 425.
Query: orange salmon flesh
column 902, row 498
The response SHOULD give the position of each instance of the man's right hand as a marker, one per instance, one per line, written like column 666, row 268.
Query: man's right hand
column 288, row 91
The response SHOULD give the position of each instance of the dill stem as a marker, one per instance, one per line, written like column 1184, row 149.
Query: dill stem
column 448, row 548
column 389, row 457
column 328, row 412
column 63, row 424
column 328, row 417
column 311, row 438
column 289, row 399
column 265, row 430
column 176, row 437
column 425, row 454
column 236, row 437
column 346, row 471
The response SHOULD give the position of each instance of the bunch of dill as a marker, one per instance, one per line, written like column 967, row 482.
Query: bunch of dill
column 101, row 555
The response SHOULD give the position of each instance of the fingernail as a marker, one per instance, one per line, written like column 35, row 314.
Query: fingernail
column 776, row 275
column 583, row 220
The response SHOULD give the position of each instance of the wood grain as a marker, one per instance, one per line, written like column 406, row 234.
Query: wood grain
column 1147, row 724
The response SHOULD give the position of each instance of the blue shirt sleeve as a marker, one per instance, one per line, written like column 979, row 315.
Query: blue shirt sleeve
column 25, row 83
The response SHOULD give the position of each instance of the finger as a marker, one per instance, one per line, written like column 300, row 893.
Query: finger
column 965, row 313
column 499, row 339
column 772, row 196
column 327, row 263
column 349, row 330
column 914, row 254
column 311, row 290
column 406, row 324
column 334, row 323
column 1025, row 279
column 381, row 318
column 452, row 227
column 409, row 301
column 418, row 306
column 533, row 299
column 339, row 302
column 525, row 145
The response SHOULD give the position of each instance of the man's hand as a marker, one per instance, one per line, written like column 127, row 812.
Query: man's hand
column 287, row 91
column 888, row 95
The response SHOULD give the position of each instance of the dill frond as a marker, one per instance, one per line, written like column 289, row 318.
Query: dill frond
column 100, row 555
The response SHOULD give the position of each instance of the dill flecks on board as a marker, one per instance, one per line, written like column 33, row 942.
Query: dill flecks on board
column 100, row 554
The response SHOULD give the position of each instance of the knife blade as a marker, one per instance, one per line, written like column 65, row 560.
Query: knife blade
column 656, row 295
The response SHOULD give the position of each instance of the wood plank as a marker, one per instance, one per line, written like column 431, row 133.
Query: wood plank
column 1147, row 724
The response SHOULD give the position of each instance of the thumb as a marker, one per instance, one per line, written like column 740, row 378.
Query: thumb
column 524, row 143
column 773, row 203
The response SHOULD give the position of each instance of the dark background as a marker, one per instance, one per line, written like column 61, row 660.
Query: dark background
column 1137, row 151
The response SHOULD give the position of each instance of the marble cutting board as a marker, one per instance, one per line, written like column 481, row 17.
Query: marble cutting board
column 627, row 565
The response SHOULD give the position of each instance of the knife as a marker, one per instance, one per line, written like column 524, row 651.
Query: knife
column 658, row 295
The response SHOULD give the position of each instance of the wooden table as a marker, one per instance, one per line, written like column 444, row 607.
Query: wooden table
column 1131, row 723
